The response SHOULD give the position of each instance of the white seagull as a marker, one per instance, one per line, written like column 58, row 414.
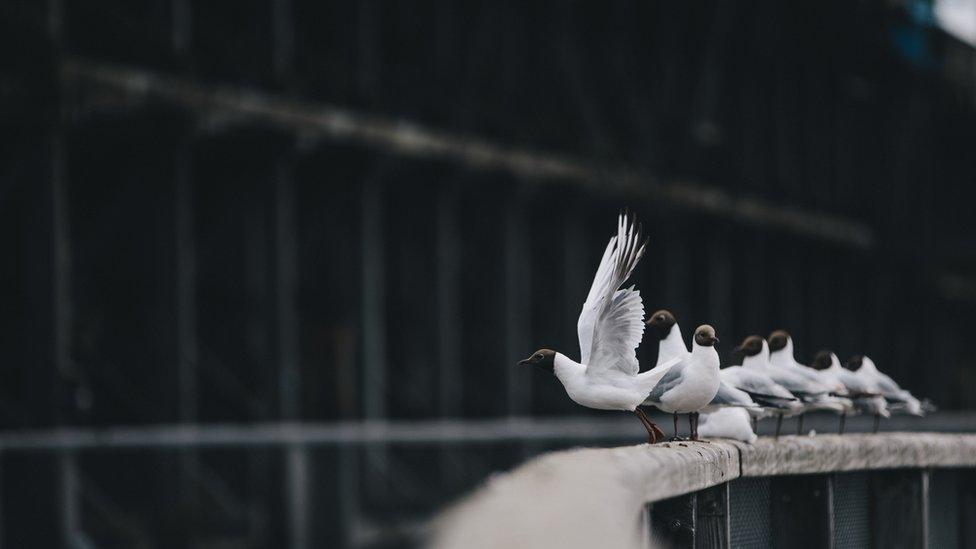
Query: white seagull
column 752, row 378
column 865, row 394
column 665, row 327
column 899, row 400
column 812, row 394
column 610, row 328
column 671, row 346
column 781, row 356
column 690, row 384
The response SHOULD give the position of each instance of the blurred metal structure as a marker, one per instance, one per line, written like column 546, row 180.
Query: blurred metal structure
column 293, row 211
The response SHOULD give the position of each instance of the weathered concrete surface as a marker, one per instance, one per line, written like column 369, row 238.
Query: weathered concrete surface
column 582, row 498
column 793, row 455
column 594, row 497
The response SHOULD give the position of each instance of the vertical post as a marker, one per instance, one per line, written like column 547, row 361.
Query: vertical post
column 448, row 272
column 181, row 29
column 1, row 501
column 967, row 508
column 712, row 528
column 186, row 316
column 926, row 475
column 373, row 318
column 516, row 274
column 374, row 332
column 673, row 522
column 287, row 323
column 898, row 514
column 800, row 511
column 282, row 32
column 55, row 21
column 61, row 253
column 720, row 282
column 574, row 273
column 518, row 387
column 298, row 480
column 791, row 275
column 677, row 265
column 347, row 484
column 286, row 271
column 70, row 512
column 449, row 368
column 186, row 312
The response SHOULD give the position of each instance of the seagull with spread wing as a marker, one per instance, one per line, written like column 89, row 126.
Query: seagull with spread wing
column 610, row 328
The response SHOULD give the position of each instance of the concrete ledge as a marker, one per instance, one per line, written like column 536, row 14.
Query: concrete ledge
column 582, row 498
column 594, row 497
column 795, row 455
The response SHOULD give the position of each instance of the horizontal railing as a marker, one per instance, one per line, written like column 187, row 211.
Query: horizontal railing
column 801, row 491
column 616, row 428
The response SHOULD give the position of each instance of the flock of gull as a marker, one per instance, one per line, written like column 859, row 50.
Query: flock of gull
column 770, row 382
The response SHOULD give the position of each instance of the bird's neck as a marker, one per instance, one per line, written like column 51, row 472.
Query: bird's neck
column 754, row 361
column 867, row 365
column 566, row 369
column 671, row 346
column 706, row 356
column 782, row 357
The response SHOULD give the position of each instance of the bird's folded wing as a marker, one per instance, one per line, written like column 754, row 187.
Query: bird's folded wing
column 669, row 381
column 611, row 323
column 728, row 395
column 754, row 383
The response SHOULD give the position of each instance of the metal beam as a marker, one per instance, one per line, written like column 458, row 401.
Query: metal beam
column 415, row 140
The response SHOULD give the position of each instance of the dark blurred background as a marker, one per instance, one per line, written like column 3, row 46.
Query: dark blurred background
column 260, row 211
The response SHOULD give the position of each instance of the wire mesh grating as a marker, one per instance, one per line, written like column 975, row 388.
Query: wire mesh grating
column 852, row 510
column 749, row 513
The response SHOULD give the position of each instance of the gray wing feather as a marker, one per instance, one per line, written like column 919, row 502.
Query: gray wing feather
column 668, row 382
column 730, row 396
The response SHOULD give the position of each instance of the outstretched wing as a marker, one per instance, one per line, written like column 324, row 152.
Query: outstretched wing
column 611, row 323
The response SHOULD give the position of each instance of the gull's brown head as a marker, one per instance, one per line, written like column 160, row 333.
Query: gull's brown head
column 705, row 336
column 661, row 323
column 854, row 363
column 777, row 340
column 822, row 361
column 750, row 346
column 543, row 359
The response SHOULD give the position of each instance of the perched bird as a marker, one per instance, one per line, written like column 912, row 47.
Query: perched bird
column 671, row 346
column 665, row 327
column 812, row 394
column 691, row 383
column 610, row 328
column 864, row 394
column 730, row 423
column 899, row 400
column 752, row 378
column 781, row 356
